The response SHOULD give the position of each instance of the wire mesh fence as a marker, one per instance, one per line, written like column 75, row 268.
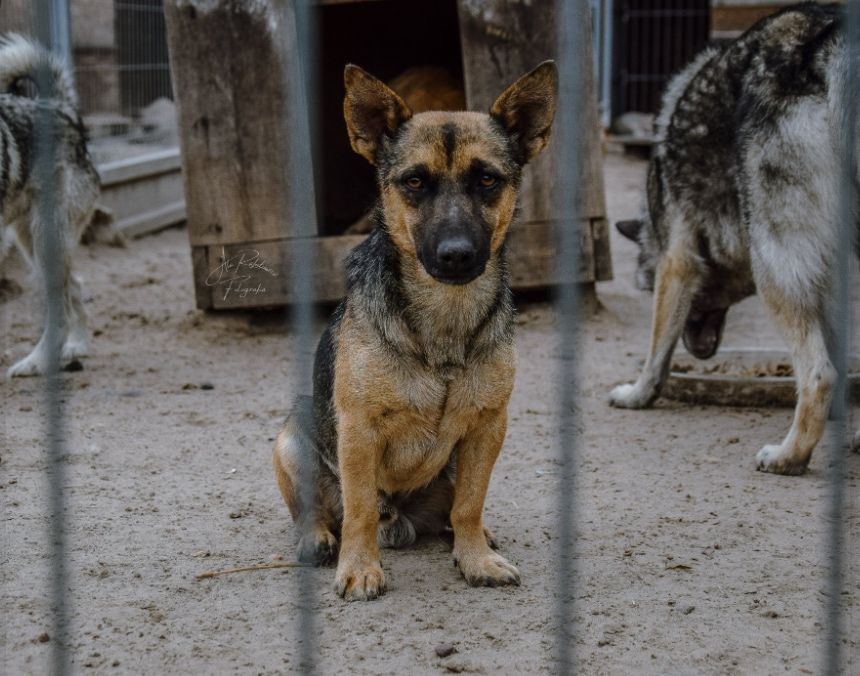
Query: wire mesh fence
column 118, row 52
column 121, row 66
column 125, row 80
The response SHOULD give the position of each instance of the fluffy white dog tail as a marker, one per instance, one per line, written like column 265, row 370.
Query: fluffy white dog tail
column 23, row 65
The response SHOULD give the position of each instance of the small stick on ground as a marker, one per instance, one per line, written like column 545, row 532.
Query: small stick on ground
column 258, row 566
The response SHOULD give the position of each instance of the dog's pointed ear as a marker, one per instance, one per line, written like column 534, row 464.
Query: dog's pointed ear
column 372, row 110
column 630, row 229
column 526, row 109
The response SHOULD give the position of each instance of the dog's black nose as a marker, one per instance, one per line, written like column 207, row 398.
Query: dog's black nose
column 456, row 254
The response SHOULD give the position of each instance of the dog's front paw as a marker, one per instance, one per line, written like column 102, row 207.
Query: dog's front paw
column 486, row 569
column 32, row 365
column 630, row 395
column 318, row 548
column 74, row 348
column 359, row 582
column 777, row 459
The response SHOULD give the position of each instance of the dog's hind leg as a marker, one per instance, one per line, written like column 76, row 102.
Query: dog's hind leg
column 308, row 486
column 395, row 529
column 77, row 342
column 678, row 280
column 792, row 224
column 425, row 511
column 31, row 242
column 815, row 375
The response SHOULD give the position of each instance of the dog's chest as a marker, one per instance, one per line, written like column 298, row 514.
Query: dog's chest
column 424, row 422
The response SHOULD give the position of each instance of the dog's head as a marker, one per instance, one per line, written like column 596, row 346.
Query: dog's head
column 703, row 328
column 449, row 180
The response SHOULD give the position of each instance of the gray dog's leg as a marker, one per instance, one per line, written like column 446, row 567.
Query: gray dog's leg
column 678, row 279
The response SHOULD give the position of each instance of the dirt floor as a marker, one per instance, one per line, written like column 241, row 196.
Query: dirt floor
column 688, row 560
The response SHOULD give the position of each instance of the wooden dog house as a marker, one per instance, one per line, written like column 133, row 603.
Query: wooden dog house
column 230, row 61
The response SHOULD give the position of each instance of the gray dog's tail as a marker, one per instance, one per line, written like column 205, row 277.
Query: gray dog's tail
column 28, row 69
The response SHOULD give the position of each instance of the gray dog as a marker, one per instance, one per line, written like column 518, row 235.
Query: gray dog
column 743, row 195
column 72, row 189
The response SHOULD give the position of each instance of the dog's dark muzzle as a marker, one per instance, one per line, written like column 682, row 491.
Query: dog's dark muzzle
column 454, row 258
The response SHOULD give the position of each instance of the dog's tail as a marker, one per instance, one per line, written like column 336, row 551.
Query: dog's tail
column 28, row 69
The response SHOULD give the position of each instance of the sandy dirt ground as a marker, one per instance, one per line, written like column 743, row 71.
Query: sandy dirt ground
column 688, row 560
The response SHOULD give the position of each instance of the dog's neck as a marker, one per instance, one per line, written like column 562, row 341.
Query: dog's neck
column 446, row 319
column 443, row 325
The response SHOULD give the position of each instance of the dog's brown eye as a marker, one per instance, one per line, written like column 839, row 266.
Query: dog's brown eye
column 415, row 183
column 488, row 180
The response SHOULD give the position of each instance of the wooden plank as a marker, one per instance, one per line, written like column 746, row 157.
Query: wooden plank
column 152, row 220
column 257, row 275
column 602, row 251
column 140, row 166
column 532, row 251
column 200, row 263
column 232, row 62
column 143, row 193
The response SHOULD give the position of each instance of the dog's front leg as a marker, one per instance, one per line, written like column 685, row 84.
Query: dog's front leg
column 359, row 574
column 476, row 455
column 677, row 282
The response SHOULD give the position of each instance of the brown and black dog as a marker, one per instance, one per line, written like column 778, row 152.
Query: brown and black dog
column 412, row 376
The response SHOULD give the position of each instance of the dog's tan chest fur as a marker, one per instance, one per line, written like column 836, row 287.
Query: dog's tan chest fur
column 418, row 412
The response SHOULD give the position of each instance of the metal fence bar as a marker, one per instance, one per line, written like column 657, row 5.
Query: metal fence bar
column 833, row 657
column 61, row 34
column 302, row 253
column 50, row 248
column 568, row 130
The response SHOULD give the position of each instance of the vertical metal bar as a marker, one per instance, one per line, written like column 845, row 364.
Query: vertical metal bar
column 850, row 94
column 606, row 63
column 568, row 126
column 49, row 249
column 301, row 98
column 60, row 31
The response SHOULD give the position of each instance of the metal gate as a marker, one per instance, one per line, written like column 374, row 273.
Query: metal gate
column 652, row 40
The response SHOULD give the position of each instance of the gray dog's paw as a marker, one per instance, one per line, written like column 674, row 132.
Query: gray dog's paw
column 779, row 460
column 319, row 548
column 630, row 395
